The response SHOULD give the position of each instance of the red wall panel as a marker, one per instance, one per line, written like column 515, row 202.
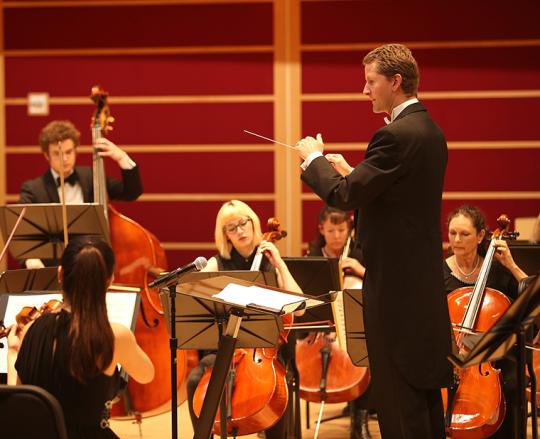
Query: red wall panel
column 138, row 75
column 187, row 221
column 151, row 124
column 138, row 26
column 492, row 68
column 213, row 172
column 460, row 119
column 386, row 20
column 493, row 170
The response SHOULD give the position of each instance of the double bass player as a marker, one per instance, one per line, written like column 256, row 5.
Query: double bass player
column 61, row 136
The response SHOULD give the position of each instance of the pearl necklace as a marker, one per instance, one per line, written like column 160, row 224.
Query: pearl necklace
column 467, row 275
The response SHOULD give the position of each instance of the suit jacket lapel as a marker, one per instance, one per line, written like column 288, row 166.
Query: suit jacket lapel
column 87, row 184
column 50, row 187
column 413, row 108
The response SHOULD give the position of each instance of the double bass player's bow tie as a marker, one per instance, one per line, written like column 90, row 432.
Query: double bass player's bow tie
column 72, row 179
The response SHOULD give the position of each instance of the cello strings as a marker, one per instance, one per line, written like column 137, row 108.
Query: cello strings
column 270, row 140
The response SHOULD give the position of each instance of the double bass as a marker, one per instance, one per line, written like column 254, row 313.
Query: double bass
column 139, row 259
column 256, row 389
column 477, row 405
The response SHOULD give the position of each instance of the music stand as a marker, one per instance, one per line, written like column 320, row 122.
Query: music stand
column 17, row 281
column 353, row 305
column 316, row 275
column 208, row 322
column 511, row 329
column 40, row 233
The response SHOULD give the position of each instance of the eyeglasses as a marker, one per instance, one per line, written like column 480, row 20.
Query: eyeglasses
column 240, row 224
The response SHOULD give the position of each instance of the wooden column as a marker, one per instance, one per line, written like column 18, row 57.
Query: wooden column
column 287, row 121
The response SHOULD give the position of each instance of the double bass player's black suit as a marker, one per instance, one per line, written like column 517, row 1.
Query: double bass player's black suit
column 396, row 192
column 43, row 189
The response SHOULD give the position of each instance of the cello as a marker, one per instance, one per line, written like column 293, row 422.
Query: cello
column 139, row 259
column 327, row 374
column 477, row 406
column 256, row 388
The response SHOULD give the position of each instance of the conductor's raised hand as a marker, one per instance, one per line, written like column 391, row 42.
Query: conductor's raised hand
column 339, row 163
column 309, row 144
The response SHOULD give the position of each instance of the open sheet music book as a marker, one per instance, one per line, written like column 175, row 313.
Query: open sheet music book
column 122, row 308
column 260, row 297
column 338, row 312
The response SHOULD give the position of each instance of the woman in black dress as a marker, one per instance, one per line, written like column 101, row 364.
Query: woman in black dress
column 74, row 353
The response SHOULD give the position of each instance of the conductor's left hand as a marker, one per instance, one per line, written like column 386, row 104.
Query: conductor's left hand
column 308, row 145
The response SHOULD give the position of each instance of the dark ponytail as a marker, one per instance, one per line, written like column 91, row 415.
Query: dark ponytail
column 88, row 264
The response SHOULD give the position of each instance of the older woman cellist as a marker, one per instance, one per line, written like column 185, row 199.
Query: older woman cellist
column 467, row 236
column 238, row 237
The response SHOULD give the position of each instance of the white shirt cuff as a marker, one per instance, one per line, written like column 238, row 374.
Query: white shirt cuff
column 126, row 163
column 309, row 159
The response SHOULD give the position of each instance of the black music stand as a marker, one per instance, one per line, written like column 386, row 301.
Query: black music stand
column 40, row 233
column 317, row 276
column 18, row 281
column 511, row 329
column 353, row 305
column 208, row 322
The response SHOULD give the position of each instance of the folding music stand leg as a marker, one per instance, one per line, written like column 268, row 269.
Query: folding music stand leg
column 225, row 353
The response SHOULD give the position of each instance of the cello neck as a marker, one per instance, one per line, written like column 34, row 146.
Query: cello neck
column 475, row 302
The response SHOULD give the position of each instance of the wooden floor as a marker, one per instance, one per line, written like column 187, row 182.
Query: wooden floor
column 159, row 427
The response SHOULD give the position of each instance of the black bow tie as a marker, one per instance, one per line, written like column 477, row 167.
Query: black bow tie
column 72, row 179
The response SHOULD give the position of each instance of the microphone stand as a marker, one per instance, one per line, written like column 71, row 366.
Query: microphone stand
column 173, row 344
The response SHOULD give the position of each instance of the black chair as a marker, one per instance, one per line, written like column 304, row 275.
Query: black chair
column 30, row 412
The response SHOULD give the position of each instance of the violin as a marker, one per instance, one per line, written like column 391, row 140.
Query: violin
column 256, row 388
column 30, row 313
column 475, row 406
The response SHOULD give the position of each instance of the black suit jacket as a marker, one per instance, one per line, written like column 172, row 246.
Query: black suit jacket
column 397, row 192
column 43, row 189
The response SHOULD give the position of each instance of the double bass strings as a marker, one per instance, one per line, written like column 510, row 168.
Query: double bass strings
column 270, row 140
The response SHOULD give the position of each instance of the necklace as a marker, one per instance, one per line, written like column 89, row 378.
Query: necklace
column 467, row 275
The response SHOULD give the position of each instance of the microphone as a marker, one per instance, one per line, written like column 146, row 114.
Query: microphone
column 169, row 278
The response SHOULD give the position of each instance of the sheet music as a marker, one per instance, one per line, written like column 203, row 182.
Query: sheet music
column 254, row 295
column 121, row 308
column 338, row 310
